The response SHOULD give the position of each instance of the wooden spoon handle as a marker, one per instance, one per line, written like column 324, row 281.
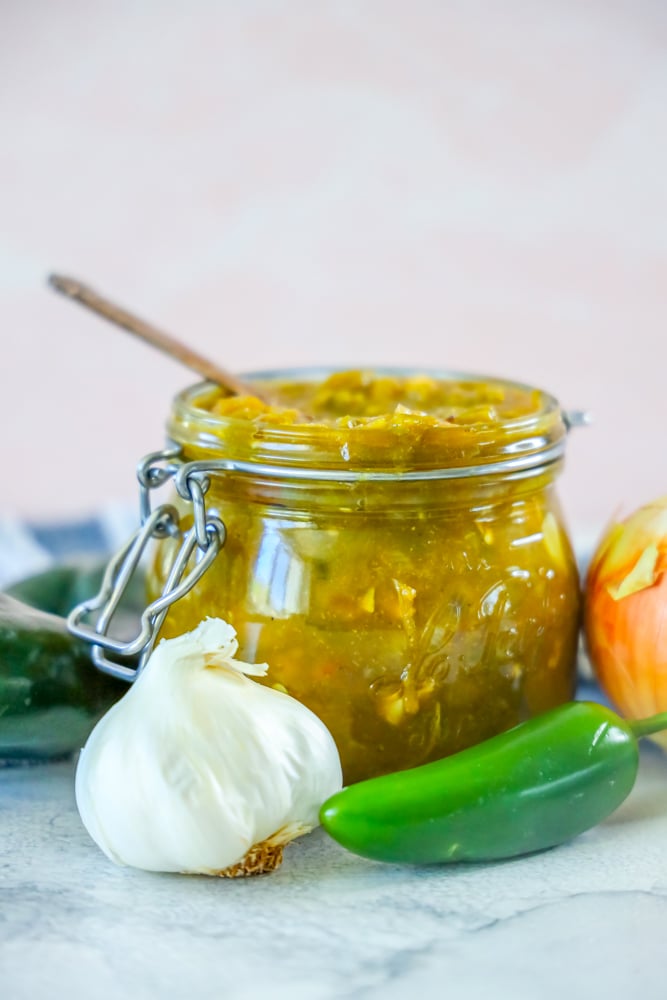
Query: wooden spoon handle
column 157, row 338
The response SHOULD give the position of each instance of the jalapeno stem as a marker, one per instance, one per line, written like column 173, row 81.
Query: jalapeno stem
column 646, row 727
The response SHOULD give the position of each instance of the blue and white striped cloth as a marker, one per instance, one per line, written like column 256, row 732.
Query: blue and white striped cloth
column 28, row 547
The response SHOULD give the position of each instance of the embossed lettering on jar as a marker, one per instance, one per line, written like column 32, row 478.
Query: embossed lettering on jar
column 395, row 550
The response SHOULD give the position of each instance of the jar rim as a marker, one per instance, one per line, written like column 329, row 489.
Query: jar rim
column 519, row 445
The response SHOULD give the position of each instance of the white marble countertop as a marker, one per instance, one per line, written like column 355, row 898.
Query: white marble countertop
column 584, row 920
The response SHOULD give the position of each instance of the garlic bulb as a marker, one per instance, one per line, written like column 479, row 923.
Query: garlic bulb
column 198, row 769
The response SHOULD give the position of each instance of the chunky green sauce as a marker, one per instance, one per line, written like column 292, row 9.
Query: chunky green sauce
column 414, row 617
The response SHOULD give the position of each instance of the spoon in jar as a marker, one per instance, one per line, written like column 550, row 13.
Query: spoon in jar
column 164, row 342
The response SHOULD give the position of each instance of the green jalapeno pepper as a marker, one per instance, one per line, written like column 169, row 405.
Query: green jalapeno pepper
column 537, row 785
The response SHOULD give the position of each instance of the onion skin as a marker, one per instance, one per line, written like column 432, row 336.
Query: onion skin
column 626, row 637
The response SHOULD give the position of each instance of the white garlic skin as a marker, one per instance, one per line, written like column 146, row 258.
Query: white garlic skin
column 196, row 764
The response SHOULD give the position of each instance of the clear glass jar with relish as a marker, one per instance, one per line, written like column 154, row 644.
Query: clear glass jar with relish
column 394, row 551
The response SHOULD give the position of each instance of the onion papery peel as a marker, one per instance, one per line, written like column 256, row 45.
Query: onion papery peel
column 625, row 613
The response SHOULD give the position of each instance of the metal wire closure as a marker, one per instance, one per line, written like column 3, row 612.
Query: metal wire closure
column 200, row 543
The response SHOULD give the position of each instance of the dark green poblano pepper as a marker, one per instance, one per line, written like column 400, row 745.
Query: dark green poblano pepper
column 532, row 787
column 51, row 695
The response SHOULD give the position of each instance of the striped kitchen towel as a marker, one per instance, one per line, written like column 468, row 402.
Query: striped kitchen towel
column 28, row 547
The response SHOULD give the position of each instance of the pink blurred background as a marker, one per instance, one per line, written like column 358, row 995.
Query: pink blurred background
column 466, row 185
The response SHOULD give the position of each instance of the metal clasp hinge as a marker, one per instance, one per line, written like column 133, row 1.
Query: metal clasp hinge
column 202, row 542
column 576, row 418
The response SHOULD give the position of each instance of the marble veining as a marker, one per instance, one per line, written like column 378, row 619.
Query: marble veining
column 328, row 924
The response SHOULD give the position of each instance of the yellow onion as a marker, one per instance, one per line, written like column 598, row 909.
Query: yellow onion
column 625, row 612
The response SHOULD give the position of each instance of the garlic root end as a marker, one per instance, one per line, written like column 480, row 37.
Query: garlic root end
column 267, row 855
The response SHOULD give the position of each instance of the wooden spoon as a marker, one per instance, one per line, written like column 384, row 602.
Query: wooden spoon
column 157, row 338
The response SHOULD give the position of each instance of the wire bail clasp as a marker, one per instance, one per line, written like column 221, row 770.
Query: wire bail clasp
column 200, row 543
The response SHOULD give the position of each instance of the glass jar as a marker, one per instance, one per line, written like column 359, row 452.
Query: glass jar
column 408, row 577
